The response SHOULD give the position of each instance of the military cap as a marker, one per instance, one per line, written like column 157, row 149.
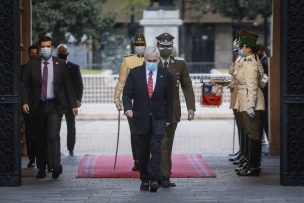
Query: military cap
column 247, row 38
column 139, row 39
column 165, row 39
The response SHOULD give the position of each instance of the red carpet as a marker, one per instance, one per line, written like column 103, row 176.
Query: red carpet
column 100, row 166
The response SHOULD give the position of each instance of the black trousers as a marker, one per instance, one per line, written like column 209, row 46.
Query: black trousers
column 149, row 155
column 71, row 130
column 134, row 141
column 48, row 123
column 30, row 137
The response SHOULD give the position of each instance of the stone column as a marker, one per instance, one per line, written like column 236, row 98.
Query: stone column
column 274, row 83
column 223, row 45
column 159, row 21
column 26, row 28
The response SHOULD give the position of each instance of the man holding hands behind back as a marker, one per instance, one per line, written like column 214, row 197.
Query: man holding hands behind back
column 150, row 88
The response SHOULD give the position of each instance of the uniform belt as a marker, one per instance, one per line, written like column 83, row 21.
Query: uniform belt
column 241, row 87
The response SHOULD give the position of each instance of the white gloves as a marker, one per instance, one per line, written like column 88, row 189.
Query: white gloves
column 250, row 112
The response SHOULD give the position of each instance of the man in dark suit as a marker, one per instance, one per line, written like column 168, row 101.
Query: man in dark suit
column 76, row 79
column 46, row 92
column 150, row 89
column 33, row 52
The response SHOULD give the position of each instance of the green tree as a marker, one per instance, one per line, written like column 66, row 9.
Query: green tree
column 75, row 17
column 238, row 9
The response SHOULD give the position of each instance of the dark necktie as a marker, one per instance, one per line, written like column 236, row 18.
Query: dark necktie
column 44, row 82
column 166, row 64
column 150, row 84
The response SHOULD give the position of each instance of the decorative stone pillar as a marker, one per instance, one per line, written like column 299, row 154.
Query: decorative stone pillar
column 159, row 21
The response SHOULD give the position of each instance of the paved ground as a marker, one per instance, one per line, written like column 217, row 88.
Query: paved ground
column 211, row 138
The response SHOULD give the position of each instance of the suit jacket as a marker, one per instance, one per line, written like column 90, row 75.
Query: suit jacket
column 180, row 77
column 159, row 105
column 248, row 79
column 127, row 64
column 32, row 86
column 76, row 79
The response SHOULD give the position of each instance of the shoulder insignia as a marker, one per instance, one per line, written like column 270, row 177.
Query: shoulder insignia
column 127, row 55
column 179, row 58
column 249, row 59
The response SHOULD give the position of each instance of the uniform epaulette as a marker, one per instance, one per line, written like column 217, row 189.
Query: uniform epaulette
column 179, row 58
column 127, row 55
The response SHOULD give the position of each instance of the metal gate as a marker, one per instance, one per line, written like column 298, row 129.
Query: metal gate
column 10, row 167
column 292, row 92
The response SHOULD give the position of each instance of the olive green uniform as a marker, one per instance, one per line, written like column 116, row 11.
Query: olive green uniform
column 177, row 67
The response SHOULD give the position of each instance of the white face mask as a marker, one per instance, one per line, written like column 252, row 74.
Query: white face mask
column 46, row 52
column 140, row 50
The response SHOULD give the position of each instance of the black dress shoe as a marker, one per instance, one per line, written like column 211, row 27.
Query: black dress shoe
column 136, row 166
column 240, row 161
column 41, row 174
column 167, row 184
column 71, row 152
column 250, row 172
column 154, row 186
column 144, row 186
column 239, row 156
column 31, row 164
column 57, row 171
column 235, row 154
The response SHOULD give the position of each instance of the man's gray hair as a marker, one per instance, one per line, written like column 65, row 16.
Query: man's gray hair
column 151, row 50
column 65, row 46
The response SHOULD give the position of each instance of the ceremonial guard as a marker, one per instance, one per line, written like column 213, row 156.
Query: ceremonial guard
column 179, row 71
column 250, row 102
column 130, row 62
column 233, row 98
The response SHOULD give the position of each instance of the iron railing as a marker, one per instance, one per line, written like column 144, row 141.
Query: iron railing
column 100, row 88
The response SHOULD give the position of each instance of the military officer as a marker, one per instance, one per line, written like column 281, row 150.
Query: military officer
column 233, row 97
column 177, row 67
column 129, row 62
column 250, row 102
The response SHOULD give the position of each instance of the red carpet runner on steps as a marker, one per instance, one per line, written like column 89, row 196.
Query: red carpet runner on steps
column 100, row 166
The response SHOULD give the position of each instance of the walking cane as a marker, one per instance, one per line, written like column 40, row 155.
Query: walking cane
column 117, row 142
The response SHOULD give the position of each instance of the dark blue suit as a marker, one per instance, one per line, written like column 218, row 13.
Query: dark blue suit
column 149, row 115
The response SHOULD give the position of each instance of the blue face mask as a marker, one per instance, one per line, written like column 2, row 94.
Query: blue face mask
column 151, row 66
column 46, row 52
column 241, row 53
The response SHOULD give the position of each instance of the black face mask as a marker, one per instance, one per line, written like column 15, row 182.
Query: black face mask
column 165, row 52
column 63, row 56
column 33, row 57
